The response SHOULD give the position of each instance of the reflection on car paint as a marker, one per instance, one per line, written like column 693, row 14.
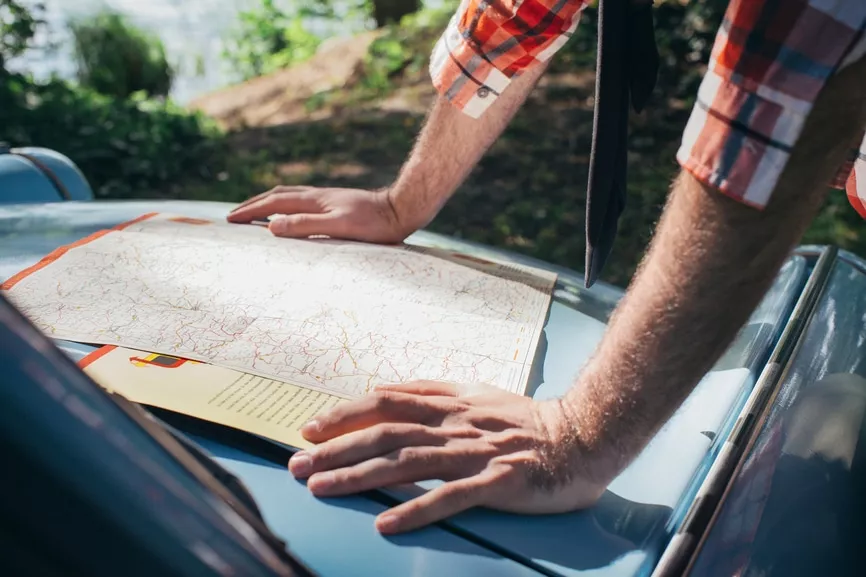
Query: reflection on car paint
column 796, row 508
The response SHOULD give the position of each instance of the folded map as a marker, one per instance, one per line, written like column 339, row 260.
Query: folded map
column 335, row 316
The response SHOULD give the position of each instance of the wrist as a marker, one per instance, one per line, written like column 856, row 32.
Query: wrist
column 410, row 206
column 568, row 454
column 609, row 427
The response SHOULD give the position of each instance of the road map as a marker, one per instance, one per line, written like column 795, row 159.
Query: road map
column 336, row 316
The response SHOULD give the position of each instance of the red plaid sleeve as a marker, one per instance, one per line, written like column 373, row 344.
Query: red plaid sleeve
column 489, row 42
column 769, row 62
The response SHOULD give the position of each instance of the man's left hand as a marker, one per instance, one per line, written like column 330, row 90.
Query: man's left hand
column 492, row 448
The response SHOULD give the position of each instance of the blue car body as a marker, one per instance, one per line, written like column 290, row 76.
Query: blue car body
column 665, row 514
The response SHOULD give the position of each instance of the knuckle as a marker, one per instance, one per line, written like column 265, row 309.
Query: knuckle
column 502, row 471
column 308, row 193
column 345, row 475
column 322, row 455
column 512, row 438
column 454, row 406
column 383, row 433
column 458, row 493
column 268, row 203
column 283, row 188
column 386, row 401
column 465, row 432
column 416, row 455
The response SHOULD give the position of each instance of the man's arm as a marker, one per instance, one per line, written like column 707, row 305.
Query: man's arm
column 710, row 262
column 484, row 65
column 448, row 148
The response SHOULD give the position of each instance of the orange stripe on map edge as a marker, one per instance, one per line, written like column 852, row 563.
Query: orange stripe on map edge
column 95, row 355
column 57, row 253
column 124, row 225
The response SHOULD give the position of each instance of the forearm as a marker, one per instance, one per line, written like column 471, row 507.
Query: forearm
column 710, row 263
column 449, row 146
column 707, row 269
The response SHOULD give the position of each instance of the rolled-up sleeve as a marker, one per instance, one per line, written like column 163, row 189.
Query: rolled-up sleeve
column 769, row 63
column 490, row 42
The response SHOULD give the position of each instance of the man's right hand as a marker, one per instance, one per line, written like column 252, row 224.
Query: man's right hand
column 447, row 149
column 344, row 213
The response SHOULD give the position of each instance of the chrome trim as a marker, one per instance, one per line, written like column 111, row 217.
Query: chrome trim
column 686, row 543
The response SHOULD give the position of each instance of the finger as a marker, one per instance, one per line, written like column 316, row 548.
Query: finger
column 282, row 203
column 428, row 388
column 275, row 190
column 437, row 504
column 304, row 225
column 405, row 465
column 251, row 200
column 476, row 389
column 359, row 446
column 378, row 407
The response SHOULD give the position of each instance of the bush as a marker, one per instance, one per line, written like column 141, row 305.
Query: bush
column 269, row 39
column 127, row 143
column 403, row 47
column 126, row 147
column 117, row 59
column 17, row 28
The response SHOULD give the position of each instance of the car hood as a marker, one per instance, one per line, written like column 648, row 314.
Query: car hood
column 622, row 536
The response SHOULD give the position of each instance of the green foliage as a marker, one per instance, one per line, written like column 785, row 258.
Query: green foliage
column 403, row 49
column 117, row 59
column 387, row 12
column 839, row 224
column 18, row 26
column 269, row 39
column 126, row 147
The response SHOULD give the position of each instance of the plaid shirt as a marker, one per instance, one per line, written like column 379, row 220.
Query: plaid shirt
column 487, row 43
column 768, row 64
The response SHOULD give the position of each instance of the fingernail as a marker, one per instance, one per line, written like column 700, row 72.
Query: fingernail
column 321, row 481
column 277, row 226
column 386, row 523
column 313, row 426
column 300, row 464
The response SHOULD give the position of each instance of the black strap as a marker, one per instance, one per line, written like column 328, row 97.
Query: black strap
column 43, row 168
column 626, row 72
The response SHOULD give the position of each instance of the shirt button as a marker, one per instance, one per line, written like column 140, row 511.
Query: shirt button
column 483, row 92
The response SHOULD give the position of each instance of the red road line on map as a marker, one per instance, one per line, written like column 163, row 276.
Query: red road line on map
column 95, row 355
column 59, row 252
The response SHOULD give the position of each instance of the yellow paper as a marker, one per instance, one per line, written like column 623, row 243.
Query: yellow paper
column 266, row 407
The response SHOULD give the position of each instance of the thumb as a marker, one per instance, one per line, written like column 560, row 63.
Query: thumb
column 304, row 225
